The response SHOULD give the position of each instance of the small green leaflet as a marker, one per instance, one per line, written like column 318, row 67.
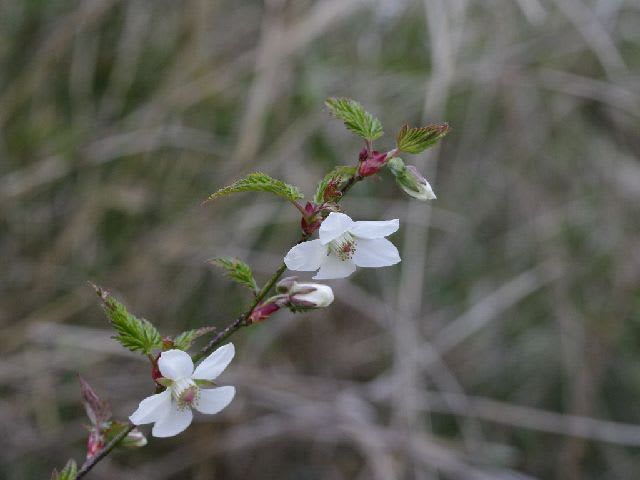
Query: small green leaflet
column 237, row 270
column 185, row 339
column 339, row 175
column 260, row 182
column 69, row 472
column 355, row 117
column 416, row 140
column 136, row 334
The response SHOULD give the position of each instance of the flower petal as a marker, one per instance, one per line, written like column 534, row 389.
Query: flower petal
column 306, row 256
column 333, row 267
column 214, row 364
column 213, row 400
column 175, row 364
column 333, row 226
column 378, row 252
column 375, row 229
column 176, row 421
column 152, row 408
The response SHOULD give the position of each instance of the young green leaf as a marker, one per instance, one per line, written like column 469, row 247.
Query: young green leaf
column 260, row 182
column 185, row 339
column 237, row 270
column 335, row 179
column 69, row 472
column 136, row 334
column 355, row 118
column 416, row 140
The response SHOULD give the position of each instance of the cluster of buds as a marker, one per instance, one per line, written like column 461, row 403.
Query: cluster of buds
column 370, row 162
column 410, row 180
column 296, row 296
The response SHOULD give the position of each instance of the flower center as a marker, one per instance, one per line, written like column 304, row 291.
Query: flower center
column 343, row 247
column 186, row 393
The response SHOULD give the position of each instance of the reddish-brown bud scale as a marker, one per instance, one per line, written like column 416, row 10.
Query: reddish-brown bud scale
column 309, row 227
column 310, row 208
column 262, row 312
column 310, row 221
column 95, row 443
column 155, row 371
column 371, row 163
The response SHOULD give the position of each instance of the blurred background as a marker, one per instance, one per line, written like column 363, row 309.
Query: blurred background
column 506, row 345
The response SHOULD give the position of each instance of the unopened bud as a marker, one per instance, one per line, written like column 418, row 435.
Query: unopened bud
column 312, row 295
column 135, row 438
column 410, row 180
column 305, row 296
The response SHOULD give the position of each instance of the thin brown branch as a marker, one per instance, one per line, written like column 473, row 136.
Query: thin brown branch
column 237, row 324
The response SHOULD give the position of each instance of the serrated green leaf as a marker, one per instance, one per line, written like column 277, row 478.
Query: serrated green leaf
column 136, row 334
column 69, row 472
column 260, row 182
column 355, row 118
column 416, row 140
column 237, row 270
column 336, row 177
column 185, row 339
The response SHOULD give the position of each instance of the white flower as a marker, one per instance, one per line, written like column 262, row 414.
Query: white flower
column 170, row 410
column 344, row 245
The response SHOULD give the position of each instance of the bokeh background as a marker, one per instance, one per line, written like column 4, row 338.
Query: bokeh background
column 506, row 345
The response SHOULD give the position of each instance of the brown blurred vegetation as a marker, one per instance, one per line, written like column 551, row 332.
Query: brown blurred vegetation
column 506, row 345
